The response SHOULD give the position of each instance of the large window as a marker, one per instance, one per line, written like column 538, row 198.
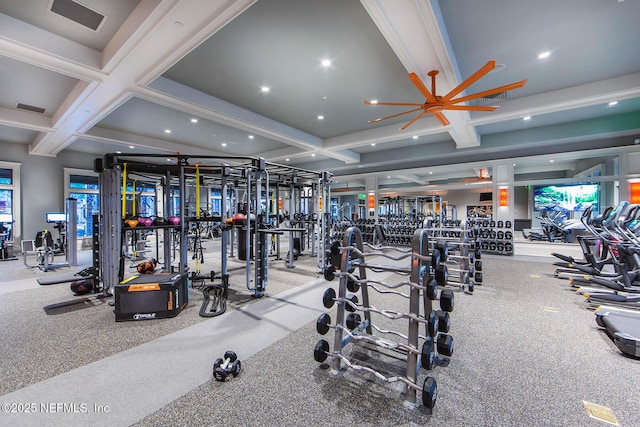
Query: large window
column 83, row 186
column 10, row 200
column 215, row 202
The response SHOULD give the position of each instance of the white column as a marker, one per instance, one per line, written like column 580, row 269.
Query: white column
column 503, row 180
column 371, row 186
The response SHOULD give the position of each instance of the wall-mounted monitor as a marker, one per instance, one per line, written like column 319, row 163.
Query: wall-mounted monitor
column 486, row 197
column 6, row 218
column 570, row 197
column 56, row 217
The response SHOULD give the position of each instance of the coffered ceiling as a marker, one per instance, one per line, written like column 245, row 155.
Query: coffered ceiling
column 247, row 78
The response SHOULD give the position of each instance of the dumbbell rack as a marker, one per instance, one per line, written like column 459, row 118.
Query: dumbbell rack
column 347, row 330
column 398, row 232
column 496, row 237
column 459, row 245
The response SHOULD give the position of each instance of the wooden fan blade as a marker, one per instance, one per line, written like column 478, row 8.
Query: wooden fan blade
column 393, row 104
column 441, row 117
column 490, row 92
column 412, row 121
column 470, row 107
column 416, row 81
column 395, row 115
column 471, row 80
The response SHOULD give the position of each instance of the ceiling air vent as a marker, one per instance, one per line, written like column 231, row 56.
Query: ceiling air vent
column 492, row 98
column 30, row 108
column 77, row 13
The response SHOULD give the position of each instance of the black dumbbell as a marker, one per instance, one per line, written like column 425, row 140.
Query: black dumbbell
column 444, row 321
column 323, row 323
column 329, row 273
column 329, row 298
column 432, row 288
column 433, row 323
column 353, row 285
column 321, row 350
column 446, row 300
column 428, row 356
column 445, row 344
column 229, row 364
column 353, row 321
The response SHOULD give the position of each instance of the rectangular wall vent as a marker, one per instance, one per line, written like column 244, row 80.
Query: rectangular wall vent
column 30, row 108
column 77, row 13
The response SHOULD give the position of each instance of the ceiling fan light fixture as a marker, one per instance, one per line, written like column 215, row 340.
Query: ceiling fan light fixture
column 436, row 105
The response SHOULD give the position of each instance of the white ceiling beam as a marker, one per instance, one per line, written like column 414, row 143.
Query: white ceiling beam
column 25, row 120
column 165, row 31
column 126, row 139
column 26, row 43
column 412, row 30
column 389, row 133
column 601, row 92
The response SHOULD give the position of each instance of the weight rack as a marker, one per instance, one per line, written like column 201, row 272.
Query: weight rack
column 461, row 253
column 351, row 328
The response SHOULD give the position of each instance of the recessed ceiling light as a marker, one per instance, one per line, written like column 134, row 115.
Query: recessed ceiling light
column 551, row 161
column 250, row 136
column 325, row 62
column 415, row 137
column 430, row 173
column 388, row 176
column 265, row 89
column 544, row 54
column 167, row 131
column 118, row 152
column 224, row 144
column 132, row 147
column 612, row 103
column 194, row 120
column 373, row 144
column 168, row 160
column 313, row 154
column 320, row 117
column 324, row 97
column 526, row 118
column 287, row 159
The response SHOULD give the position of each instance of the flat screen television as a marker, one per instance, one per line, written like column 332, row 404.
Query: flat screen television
column 571, row 197
column 486, row 197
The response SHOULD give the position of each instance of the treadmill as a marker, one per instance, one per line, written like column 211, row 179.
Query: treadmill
column 623, row 327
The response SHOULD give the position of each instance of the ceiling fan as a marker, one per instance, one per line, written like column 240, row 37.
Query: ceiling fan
column 436, row 104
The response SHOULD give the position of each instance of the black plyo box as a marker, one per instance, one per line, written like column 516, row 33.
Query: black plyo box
column 151, row 296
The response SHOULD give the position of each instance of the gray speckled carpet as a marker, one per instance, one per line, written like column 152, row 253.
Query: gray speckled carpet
column 527, row 352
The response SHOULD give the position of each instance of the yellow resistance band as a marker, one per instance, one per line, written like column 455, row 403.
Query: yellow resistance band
column 124, row 191
column 133, row 204
column 197, row 191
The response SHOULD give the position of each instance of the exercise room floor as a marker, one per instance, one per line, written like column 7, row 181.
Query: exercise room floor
column 527, row 353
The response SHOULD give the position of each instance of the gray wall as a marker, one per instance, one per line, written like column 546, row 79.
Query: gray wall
column 42, row 183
